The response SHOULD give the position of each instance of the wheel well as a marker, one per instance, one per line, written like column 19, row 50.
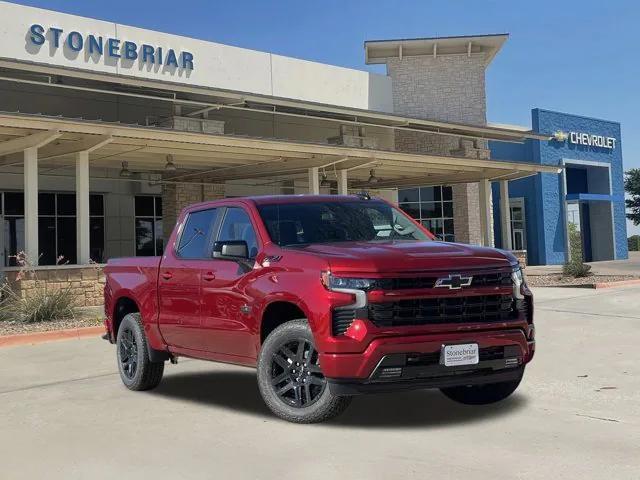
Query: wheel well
column 276, row 314
column 123, row 307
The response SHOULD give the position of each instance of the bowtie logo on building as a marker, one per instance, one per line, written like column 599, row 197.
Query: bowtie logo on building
column 560, row 136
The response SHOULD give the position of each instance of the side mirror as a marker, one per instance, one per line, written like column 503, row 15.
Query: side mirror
column 231, row 250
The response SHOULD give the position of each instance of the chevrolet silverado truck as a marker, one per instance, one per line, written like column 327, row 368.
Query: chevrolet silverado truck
column 328, row 297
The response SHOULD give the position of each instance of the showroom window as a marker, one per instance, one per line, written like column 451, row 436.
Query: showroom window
column 431, row 206
column 148, row 221
column 56, row 227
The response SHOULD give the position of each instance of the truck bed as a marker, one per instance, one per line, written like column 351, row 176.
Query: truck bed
column 133, row 277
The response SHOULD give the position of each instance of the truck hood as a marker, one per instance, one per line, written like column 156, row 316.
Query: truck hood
column 408, row 256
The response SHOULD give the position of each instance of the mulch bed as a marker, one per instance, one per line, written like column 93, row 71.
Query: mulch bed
column 558, row 280
column 13, row 328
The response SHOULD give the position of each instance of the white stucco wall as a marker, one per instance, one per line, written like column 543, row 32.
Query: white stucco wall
column 215, row 65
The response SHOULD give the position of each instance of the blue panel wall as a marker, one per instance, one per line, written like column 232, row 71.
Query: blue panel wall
column 543, row 193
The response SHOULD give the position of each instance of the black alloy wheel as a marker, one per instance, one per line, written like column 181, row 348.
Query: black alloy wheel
column 137, row 371
column 295, row 373
column 290, row 378
column 128, row 353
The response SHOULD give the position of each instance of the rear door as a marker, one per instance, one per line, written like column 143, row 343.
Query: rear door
column 179, row 280
column 229, row 325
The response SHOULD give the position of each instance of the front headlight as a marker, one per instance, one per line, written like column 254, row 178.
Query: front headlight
column 518, row 281
column 355, row 286
column 335, row 283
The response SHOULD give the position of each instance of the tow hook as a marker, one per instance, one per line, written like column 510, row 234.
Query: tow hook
column 173, row 359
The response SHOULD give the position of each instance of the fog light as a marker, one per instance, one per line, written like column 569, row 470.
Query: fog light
column 391, row 372
column 511, row 362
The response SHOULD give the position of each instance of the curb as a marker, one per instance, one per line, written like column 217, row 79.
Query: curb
column 620, row 283
column 51, row 336
column 597, row 286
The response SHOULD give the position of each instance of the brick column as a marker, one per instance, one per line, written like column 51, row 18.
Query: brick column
column 447, row 88
column 176, row 196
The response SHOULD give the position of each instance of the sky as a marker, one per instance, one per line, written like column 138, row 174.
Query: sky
column 579, row 57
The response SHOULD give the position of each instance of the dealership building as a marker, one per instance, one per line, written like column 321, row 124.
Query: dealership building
column 107, row 131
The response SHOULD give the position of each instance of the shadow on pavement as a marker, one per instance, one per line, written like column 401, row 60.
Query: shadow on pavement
column 238, row 391
column 235, row 390
column 418, row 409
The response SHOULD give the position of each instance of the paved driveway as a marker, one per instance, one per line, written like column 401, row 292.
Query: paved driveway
column 64, row 414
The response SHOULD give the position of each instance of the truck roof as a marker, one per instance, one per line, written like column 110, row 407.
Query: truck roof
column 303, row 198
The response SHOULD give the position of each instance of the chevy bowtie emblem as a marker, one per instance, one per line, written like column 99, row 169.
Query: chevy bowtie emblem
column 560, row 136
column 453, row 282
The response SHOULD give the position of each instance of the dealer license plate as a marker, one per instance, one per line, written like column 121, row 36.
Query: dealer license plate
column 454, row 355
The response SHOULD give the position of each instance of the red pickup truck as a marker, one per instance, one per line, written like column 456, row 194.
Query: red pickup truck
column 327, row 297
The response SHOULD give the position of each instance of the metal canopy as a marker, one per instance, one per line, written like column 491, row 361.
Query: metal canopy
column 199, row 100
column 228, row 157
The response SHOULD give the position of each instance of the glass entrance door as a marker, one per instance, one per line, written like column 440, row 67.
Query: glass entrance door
column 518, row 224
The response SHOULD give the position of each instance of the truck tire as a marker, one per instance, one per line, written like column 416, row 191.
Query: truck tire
column 290, row 380
column 481, row 394
column 137, row 372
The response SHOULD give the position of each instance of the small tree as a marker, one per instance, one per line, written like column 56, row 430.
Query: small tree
column 634, row 243
column 632, row 187
column 575, row 266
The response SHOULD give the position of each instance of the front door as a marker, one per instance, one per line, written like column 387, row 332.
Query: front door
column 229, row 324
column 179, row 281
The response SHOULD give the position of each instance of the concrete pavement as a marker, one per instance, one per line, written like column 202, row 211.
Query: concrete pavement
column 64, row 414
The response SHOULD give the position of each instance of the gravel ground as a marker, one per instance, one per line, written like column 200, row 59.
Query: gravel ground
column 12, row 328
column 556, row 280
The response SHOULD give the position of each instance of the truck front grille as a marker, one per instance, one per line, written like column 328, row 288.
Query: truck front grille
column 495, row 279
column 456, row 309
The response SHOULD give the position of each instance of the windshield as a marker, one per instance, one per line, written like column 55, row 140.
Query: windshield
column 293, row 224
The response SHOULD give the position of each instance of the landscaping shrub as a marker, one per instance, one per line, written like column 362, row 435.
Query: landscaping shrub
column 576, row 269
column 634, row 243
column 39, row 304
column 42, row 303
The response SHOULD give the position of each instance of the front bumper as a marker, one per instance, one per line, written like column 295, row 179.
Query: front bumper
column 404, row 362
column 459, row 378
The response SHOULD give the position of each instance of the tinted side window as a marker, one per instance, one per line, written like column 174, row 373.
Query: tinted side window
column 237, row 226
column 197, row 229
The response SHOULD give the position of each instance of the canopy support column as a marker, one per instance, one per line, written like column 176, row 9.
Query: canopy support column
column 505, row 215
column 82, row 208
column 314, row 182
column 343, row 188
column 486, row 226
column 31, row 247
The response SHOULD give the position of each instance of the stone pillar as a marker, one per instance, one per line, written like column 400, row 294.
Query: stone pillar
column 466, row 206
column 176, row 196
column 448, row 88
